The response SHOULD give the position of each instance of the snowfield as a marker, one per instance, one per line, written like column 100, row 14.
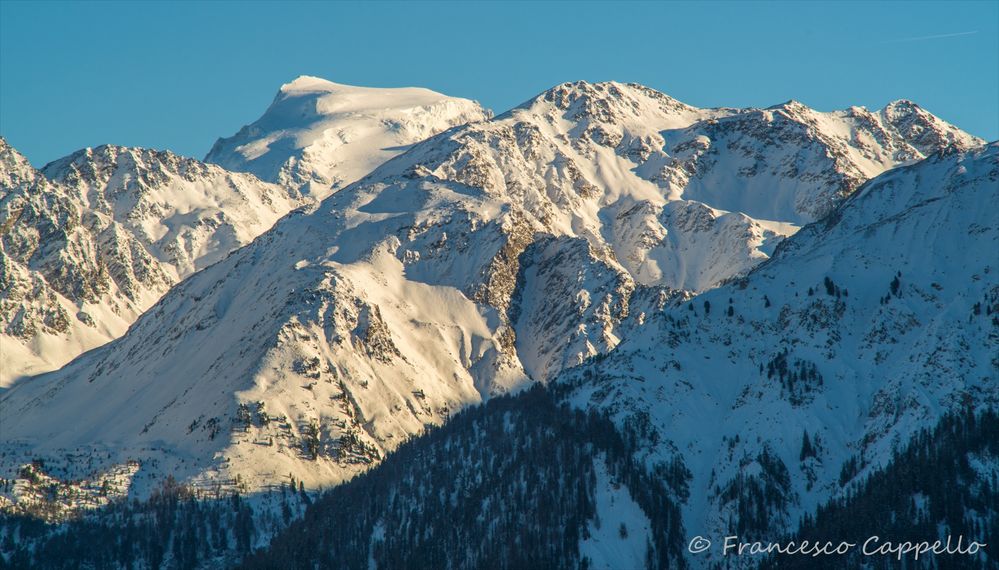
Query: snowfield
column 319, row 136
column 726, row 279
column 139, row 221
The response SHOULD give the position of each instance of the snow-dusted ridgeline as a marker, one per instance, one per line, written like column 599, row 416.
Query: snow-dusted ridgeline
column 320, row 136
column 484, row 258
column 863, row 329
column 94, row 239
column 138, row 221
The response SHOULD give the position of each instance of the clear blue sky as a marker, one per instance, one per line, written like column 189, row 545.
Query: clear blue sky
column 179, row 75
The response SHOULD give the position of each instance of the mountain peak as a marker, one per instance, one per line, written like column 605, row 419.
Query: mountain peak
column 107, row 152
column 790, row 104
column 325, row 135
column 309, row 83
column 924, row 130
column 571, row 91
column 7, row 150
column 608, row 102
column 15, row 169
column 330, row 97
column 902, row 105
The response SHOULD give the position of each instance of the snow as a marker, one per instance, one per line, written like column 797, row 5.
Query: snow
column 605, row 547
column 506, row 252
column 186, row 215
column 888, row 368
column 320, row 136
column 136, row 222
column 377, row 533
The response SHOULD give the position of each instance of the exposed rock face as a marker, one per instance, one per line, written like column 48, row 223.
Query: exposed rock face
column 96, row 238
column 792, row 164
column 571, row 303
column 186, row 213
column 483, row 259
column 861, row 330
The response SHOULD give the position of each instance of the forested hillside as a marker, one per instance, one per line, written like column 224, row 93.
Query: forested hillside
column 945, row 483
column 514, row 483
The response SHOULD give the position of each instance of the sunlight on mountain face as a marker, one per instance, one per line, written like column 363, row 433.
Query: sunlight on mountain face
column 763, row 306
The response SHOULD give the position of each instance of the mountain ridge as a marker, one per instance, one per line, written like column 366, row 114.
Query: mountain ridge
column 863, row 328
column 151, row 218
column 592, row 240
column 119, row 226
column 306, row 138
column 408, row 294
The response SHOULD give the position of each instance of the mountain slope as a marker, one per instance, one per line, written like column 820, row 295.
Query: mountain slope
column 560, row 484
column 942, row 485
column 186, row 213
column 145, row 219
column 864, row 328
column 97, row 237
column 516, row 483
column 65, row 286
column 483, row 259
column 320, row 136
column 793, row 164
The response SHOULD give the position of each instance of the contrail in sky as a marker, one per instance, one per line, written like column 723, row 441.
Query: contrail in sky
column 934, row 37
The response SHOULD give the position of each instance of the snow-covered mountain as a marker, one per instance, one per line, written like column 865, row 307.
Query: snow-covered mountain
column 141, row 220
column 485, row 258
column 822, row 363
column 320, row 136
column 95, row 238
column 794, row 164
column 188, row 214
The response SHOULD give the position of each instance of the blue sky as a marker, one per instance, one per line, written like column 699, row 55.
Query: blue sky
column 179, row 75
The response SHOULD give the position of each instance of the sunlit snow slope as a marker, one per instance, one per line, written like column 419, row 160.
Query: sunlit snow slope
column 487, row 257
column 864, row 328
column 320, row 136
column 96, row 238
column 137, row 221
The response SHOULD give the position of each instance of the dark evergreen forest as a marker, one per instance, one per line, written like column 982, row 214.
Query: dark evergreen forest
column 511, row 485
column 946, row 482
column 508, row 485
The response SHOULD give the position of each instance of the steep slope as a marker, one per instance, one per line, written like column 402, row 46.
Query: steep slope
column 65, row 287
column 516, row 483
column 862, row 329
column 325, row 354
column 793, row 164
column 148, row 219
column 97, row 237
column 186, row 213
column 634, row 147
column 941, row 487
column 320, row 136
column 684, row 197
column 483, row 259
column 559, row 484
